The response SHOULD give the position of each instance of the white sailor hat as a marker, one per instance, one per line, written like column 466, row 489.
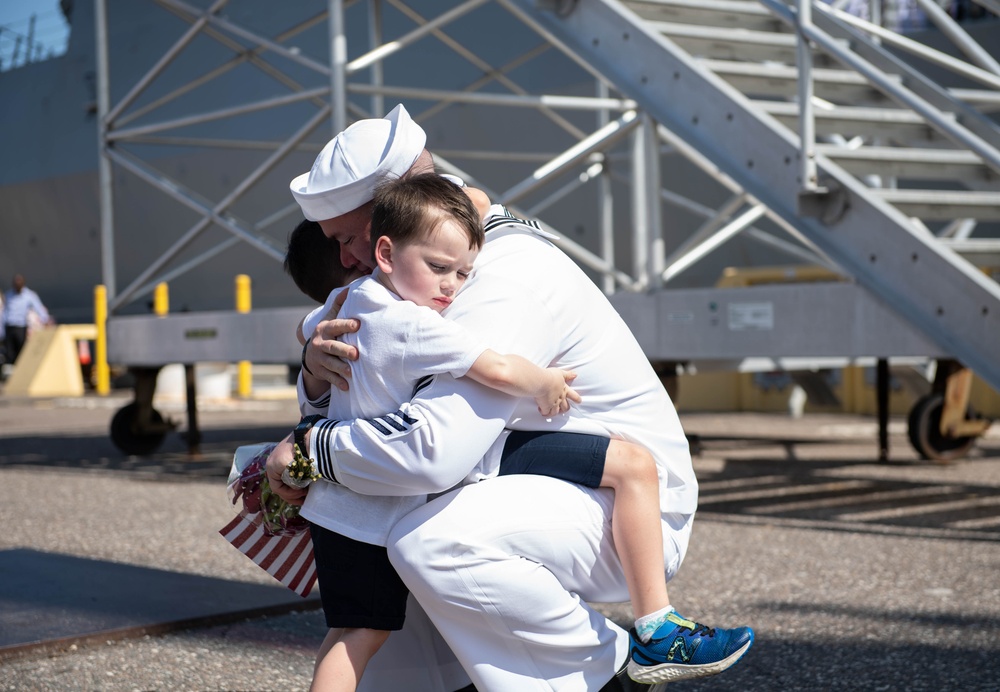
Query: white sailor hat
column 345, row 174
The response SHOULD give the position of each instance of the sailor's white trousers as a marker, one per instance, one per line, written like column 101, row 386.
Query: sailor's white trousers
column 506, row 568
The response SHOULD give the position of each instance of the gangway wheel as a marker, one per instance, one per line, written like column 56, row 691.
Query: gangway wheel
column 132, row 436
column 924, row 431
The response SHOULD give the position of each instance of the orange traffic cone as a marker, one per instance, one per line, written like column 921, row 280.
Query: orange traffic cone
column 83, row 348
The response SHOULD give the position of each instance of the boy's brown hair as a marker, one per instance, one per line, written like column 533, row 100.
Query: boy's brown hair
column 404, row 207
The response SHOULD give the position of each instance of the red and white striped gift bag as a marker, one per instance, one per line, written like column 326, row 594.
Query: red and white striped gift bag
column 289, row 559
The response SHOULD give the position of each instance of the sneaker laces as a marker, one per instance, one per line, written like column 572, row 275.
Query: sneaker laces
column 696, row 627
column 701, row 629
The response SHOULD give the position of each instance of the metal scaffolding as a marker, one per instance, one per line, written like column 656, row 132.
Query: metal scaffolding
column 661, row 130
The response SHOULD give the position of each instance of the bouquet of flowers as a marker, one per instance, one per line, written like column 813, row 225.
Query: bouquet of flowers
column 267, row 529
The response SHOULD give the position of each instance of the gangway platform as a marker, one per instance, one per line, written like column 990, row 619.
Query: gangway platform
column 146, row 343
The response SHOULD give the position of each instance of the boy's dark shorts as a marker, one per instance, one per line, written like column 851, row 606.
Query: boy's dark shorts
column 572, row 457
column 357, row 584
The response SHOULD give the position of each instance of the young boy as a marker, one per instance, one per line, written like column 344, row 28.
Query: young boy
column 424, row 257
column 425, row 238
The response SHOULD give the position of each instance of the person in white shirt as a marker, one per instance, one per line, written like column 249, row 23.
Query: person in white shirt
column 503, row 568
column 22, row 310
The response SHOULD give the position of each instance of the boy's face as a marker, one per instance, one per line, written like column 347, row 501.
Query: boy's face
column 430, row 271
column 351, row 231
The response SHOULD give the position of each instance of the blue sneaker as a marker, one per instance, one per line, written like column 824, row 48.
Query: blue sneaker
column 682, row 649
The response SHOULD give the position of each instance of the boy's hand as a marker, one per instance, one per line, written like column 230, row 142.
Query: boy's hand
column 324, row 356
column 558, row 394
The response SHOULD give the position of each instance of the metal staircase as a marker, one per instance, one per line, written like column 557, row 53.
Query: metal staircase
column 893, row 172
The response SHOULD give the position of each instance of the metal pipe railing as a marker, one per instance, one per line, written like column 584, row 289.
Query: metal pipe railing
column 917, row 49
column 807, row 125
column 890, row 85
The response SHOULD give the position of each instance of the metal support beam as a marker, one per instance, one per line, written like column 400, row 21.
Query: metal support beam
column 965, row 43
column 166, row 59
column 766, row 321
column 654, row 216
column 605, row 200
column 640, row 206
column 807, row 127
column 338, row 68
column 601, row 139
column 375, row 40
column 104, row 171
column 882, row 406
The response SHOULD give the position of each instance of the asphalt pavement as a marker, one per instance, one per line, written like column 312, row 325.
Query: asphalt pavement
column 855, row 574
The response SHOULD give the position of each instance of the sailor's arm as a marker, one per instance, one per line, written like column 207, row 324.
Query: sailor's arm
column 429, row 445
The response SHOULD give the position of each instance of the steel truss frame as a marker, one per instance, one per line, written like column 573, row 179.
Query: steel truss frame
column 640, row 114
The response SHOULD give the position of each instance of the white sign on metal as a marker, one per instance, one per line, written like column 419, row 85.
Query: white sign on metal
column 744, row 316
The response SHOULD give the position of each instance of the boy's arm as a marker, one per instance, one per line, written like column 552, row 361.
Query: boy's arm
column 519, row 377
column 429, row 445
column 434, row 441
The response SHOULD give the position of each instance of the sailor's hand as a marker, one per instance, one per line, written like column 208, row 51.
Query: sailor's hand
column 277, row 460
column 325, row 358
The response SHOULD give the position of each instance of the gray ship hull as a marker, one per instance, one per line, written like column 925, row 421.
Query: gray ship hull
column 50, row 227
column 49, row 202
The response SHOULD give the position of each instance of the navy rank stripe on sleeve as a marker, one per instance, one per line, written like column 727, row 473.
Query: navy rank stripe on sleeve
column 393, row 424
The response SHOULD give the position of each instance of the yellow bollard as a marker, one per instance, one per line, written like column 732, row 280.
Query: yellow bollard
column 161, row 299
column 244, row 377
column 102, row 373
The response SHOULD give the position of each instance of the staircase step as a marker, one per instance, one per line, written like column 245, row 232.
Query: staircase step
column 839, row 86
column 754, row 79
column 894, row 124
column 944, row 205
column 720, row 13
column 723, row 43
column 926, row 164
column 986, row 100
column 982, row 252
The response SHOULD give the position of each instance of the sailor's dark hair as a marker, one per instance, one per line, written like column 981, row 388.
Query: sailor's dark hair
column 313, row 261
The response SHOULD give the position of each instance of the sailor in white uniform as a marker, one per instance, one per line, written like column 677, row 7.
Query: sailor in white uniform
column 503, row 568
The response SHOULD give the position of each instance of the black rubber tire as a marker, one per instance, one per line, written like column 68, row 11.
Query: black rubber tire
column 925, row 435
column 130, row 441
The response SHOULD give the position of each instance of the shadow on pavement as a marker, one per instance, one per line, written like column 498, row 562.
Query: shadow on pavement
column 58, row 599
column 96, row 452
column 868, row 665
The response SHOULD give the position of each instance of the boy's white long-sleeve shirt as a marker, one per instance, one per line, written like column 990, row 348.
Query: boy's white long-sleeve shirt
column 526, row 297
column 401, row 342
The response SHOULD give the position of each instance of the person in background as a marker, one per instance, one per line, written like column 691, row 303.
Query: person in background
column 3, row 345
column 22, row 308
